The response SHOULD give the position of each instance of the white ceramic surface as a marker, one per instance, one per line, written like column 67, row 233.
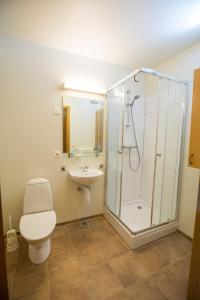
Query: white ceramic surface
column 85, row 177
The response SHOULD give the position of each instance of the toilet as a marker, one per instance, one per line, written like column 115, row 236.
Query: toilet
column 38, row 220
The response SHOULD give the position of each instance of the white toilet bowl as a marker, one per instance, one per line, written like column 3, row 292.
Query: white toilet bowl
column 39, row 219
column 36, row 228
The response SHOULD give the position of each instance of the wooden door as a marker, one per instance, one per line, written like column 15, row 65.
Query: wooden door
column 194, row 161
column 194, row 278
column 194, row 152
column 3, row 271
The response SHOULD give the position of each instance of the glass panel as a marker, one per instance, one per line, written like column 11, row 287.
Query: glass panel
column 168, row 150
column 160, row 149
column 139, row 140
column 114, row 159
column 145, row 120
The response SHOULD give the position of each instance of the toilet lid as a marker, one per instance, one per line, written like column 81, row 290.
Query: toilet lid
column 37, row 226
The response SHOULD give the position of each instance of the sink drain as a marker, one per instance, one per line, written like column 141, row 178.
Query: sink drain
column 139, row 207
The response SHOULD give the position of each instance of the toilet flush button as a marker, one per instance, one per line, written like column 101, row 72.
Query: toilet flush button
column 57, row 154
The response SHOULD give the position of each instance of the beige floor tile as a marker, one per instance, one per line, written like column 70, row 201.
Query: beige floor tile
column 150, row 259
column 94, row 263
column 23, row 258
column 60, row 231
column 42, row 294
column 99, row 252
column 81, row 237
column 145, row 290
column 128, row 269
column 75, row 226
column 11, row 261
column 63, row 266
column 170, row 249
column 182, row 267
column 11, row 266
column 173, row 286
column 182, row 241
column 101, row 283
column 25, row 266
column 93, row 222
column 30, row 278
column 60, row 242
column 74, row 288
column 119, row 296
column 102, row 231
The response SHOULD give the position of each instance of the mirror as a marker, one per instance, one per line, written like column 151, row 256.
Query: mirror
column 82, row 126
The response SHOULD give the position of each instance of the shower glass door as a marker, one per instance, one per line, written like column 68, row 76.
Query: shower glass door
column 168, row 150
column 114, row 154
column 145, row 127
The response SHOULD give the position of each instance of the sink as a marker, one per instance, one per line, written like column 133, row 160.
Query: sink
column 85, row 177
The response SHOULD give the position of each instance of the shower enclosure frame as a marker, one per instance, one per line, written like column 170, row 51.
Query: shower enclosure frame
column 144, row 236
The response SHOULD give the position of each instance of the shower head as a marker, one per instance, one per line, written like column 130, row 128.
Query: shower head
column 132, row 102
column 94, row 102
column 135, row 98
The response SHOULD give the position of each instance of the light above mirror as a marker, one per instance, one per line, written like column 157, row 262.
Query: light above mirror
column 91, row 89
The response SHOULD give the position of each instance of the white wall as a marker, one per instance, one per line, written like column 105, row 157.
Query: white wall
column 30, row 81
column 182, row 66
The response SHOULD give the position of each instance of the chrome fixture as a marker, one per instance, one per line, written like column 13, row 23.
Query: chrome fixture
column 130, row 105
column 97, row 150
column 85, row 169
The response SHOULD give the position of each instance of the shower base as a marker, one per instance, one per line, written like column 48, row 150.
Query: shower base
column 133, row 221
column 136, row 215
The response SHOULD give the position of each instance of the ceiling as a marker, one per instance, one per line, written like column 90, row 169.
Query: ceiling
column 130, row 33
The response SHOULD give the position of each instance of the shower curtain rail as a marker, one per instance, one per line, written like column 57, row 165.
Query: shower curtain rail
column 147, row 71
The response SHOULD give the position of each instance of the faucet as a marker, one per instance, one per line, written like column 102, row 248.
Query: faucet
column 97, row 150
column 84, row 168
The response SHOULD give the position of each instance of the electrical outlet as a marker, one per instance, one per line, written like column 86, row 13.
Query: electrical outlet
column 57, row 154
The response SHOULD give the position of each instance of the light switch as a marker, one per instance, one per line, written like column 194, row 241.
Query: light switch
column 56, row 110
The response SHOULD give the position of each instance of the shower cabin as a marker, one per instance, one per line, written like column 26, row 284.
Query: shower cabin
column 146, row 113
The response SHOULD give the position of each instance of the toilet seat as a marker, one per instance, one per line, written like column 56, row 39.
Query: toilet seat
column 37, row 226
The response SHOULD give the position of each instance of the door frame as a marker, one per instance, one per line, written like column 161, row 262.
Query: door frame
column 3, row 271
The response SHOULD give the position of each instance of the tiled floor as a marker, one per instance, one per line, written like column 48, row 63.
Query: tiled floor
column 95, row 264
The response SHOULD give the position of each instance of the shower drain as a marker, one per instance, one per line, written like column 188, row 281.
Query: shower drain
column 139, row 207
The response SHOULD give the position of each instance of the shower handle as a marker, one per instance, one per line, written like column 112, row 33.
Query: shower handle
column 120, row 150
column 126, row 147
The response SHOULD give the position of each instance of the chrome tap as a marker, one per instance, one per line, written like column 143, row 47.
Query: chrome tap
column 97, row 150
column 85, row 169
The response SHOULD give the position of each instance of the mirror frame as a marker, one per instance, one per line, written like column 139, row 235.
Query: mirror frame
column 66, row 134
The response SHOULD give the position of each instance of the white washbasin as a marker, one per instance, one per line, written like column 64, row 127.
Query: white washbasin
column 85, row 177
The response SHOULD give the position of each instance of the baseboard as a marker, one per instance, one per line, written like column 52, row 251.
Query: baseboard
column 79, row 219
column 185, row 235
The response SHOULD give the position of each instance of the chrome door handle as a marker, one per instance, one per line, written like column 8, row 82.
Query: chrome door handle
column 191, row 159
column 120, row 150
